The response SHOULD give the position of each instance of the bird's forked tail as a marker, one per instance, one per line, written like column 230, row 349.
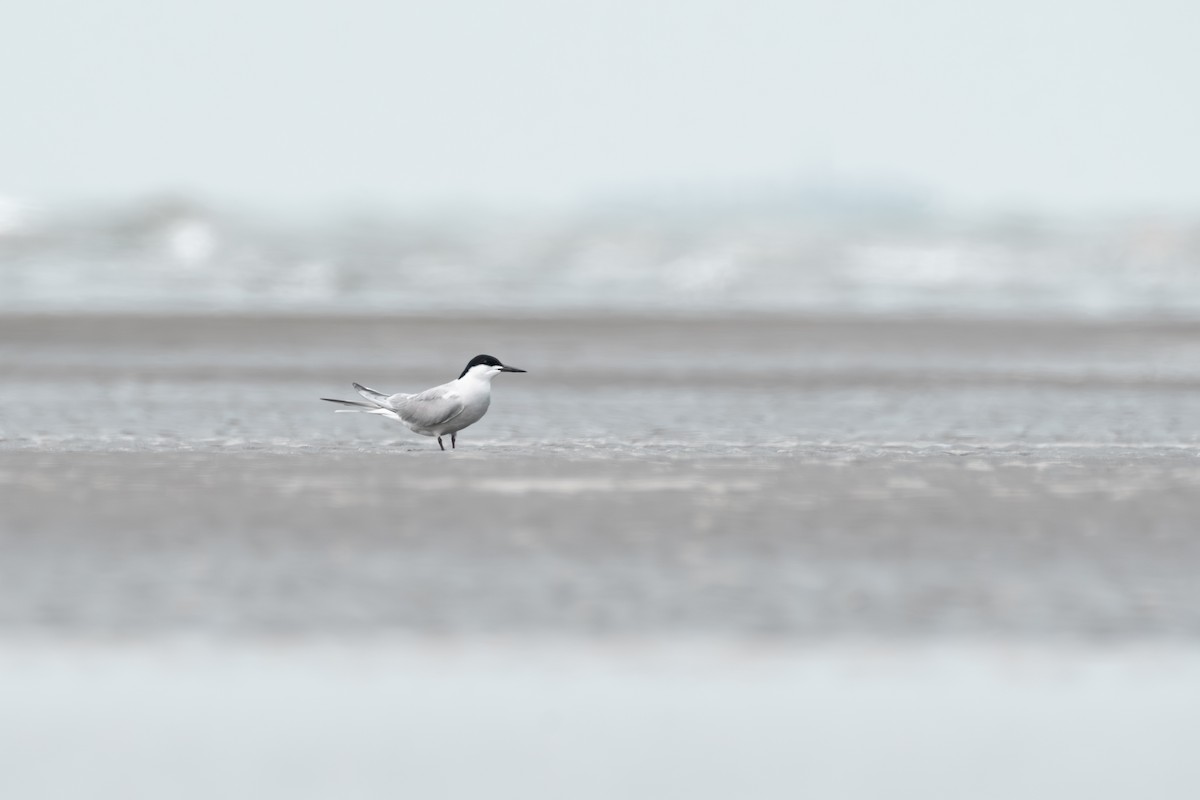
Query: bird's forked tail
column 376, row 403
column 356, row 406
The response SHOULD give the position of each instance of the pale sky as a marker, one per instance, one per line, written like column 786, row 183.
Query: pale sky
column 1067, row 105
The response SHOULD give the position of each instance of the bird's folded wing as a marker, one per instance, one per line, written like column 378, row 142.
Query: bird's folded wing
column 429, row 409
column 378, row 398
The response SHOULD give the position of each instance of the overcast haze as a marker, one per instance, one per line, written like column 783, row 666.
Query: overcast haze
column 1067, row 106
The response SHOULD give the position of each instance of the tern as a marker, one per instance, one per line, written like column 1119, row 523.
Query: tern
column 443, row 409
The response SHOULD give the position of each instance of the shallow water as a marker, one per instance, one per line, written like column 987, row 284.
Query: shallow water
column 818, row 255
column 627, row 719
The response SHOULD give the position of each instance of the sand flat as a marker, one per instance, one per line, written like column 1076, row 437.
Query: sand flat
column 800, row 479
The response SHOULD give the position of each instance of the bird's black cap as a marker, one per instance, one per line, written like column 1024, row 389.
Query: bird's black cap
column 489, row 361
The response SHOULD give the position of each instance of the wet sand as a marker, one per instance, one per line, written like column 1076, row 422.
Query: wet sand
column 802, row 479
column 758, row 557
column 810, row 543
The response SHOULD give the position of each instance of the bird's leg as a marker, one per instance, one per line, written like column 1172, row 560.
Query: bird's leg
column 454, row 440
column 440, row 443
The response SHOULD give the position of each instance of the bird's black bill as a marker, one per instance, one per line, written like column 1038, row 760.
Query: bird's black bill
column 510, row 369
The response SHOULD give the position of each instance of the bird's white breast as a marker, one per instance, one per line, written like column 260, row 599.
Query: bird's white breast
column 476, row 397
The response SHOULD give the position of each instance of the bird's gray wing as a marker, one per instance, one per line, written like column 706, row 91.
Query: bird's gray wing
column 430, row 408
column 378, row 398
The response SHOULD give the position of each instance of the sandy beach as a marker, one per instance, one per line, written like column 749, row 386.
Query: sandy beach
column 761, row 476
column 974, row 536
column 853, row 450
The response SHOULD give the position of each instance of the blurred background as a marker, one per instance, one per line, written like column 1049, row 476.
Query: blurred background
column 857, row 453
column 1007, row 158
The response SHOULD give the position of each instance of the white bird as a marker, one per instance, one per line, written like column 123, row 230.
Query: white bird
column 443, row 409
